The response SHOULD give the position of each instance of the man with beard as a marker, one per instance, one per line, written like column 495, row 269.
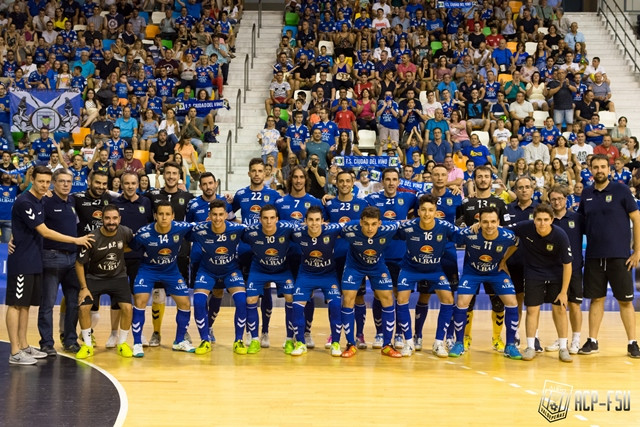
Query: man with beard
column 105, row 272
column 607, row 208
column 179, row 200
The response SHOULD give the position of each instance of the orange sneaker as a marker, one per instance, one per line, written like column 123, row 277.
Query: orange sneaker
column 350, row 351
column 388, row 350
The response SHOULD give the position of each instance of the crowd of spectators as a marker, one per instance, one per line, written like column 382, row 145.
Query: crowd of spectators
column 498, row 84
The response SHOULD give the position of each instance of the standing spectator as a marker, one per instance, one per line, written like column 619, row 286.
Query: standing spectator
column 268, row 139
column 561, row 90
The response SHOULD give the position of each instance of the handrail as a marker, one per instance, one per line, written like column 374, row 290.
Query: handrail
column 219, row 190
column 246, row 77
column 238, row 113
column 625, row 40
column 259, row 16
column 227, row 153
column 253, row 44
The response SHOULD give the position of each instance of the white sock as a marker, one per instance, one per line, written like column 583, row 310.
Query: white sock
column 594, row 340
column 436, row 342
column 114, row 332
column 409, row 342
column 536, row 333
column 576, row 337
column 86, row 337
column 563, row 343
column 122, row 336
column 531, row 342
column 95, row 317
column 632, row 341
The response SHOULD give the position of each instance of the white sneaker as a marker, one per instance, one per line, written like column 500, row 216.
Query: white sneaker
column 398, row 342
column 439, row 350
column 187, row 338
column 335, row 349
column 145, row 341
column 553, row 347
column 299, row 349
column 34, row 352
column 155, row 340
column 137, row 350
column 418, row 342
column 327, row 345
column 407, row 350
column 185, row 346
column 575, row 346
column 22, row 358
column 361, row 343
column 449, row 343
column 308, row 340
column 264, row 340
column 378, row 341
column 112, row 341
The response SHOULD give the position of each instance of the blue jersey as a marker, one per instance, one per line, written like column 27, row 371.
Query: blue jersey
column 114, row 111
column 196, row 53
column 549, row 137
column 367, row 254
column 295, row 208
column 623, row 177
column 393, row 208
column 165, row 87
column 483, row 256
column 297, row 136
column 116, row 149
column 203, row 79
column 249, row 202
column 586, row 177
column 219, row 250
column 491, row 91
column 155, row 104
column 425, row 248
column 160, row 251
column 317, row 252
column 337, row 211
column 140, row 87
column 198, row 209
column 270, row 252
column 78, row 82
column 42, row 149
column 448, row 205
column 329, row 131
column 8, row 194
column 79, row 179
column 526, row 134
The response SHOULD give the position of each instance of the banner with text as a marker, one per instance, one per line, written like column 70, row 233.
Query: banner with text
column 58, row 110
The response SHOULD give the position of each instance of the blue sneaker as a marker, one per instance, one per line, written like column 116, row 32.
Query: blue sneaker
column 456, row 350
column 512, row 352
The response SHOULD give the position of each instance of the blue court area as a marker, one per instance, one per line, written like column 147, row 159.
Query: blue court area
column 482, row 302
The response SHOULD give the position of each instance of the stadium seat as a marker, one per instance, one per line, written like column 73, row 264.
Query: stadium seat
column 17, row 136
column 106, row 44
column 515, row 6
column 145, row 16
column 79, row 27
column 543, row 30
column 566, row 135
column 503, row 78
column 423, row 97
column 104, row 13
column 435, row 45
column 142, row 155
column 147, row 42
column 167, row 43
column 482, row 136
column 78, row 137
column 366, row 140
column 539, row 117
column 291, row 18
column 530, row 47
column 293, row 28
column 486, row 31
column 284, row 114
column 152, row 31
column 512, row 46
column 608, row 119
column 329, row 77
column 328, row 44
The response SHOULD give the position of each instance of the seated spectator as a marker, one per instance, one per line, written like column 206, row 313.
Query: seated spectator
column 519, row 110
column 587, row 108
column 500, row 138
column 536, row 93
column 511, row 154
column 536, row 151
column 438, row 148
column 595, row 131
column 475, row 111
column 608, row 149
column 602, row 92
column 478, row 153
column 621, row 134
column 280, row 94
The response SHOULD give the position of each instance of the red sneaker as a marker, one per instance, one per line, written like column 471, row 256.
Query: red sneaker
column 388, row 350
column 350, row 351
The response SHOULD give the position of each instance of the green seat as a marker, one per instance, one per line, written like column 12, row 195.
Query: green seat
column 291, row 18
column 486, row 31
column 167, row 43
column 17, row 136
column 284, row 114
column 435, row 45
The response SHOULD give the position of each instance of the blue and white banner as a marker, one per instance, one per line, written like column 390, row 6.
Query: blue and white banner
column 58, row 110
column 202, row 107
column 455, row 4
column 420, row 187
column 367, row 162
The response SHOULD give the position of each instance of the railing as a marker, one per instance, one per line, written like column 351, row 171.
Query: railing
column 619, row 32
column 228, row 159
column 259, row 16
column 246, row 77
column 238, row 113
column 253, row 44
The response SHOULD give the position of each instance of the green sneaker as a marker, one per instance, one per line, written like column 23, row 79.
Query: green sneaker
column 204, row 347
column 299, row 349
column 239, row 348
column 335, row 349
column 254, row 347
column 288, row 346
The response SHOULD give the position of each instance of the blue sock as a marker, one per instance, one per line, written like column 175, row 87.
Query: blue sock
column 200, row 314
column 240, row 300
column 459, row 320
column 451, row 329
column 266, row 306
column 348, row 321
column 361, row 316
column 137, row 323
column 335, row 320
column 298, row 321
column 308, row 315
column 421, row 317
column 444, row 319
column 213, row 308
column 376, row 308
column 403, row 320
column 288, row 318
column 388, row 321
column 252, row 319
column 182, row 323
column 511, row 319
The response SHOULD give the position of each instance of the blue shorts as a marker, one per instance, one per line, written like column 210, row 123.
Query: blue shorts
column 500, row 281
column 173, row 281
column 206, row 280
column 257, row 280
column 352, row 278
column 450, row 265
column 436, row 280
column 307, row 282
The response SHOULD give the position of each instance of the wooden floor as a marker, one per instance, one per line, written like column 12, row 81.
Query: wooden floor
column 272, row 389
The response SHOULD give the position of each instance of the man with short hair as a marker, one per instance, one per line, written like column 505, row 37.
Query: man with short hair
column 160, row 152
column 128, row 164
column 561, row 89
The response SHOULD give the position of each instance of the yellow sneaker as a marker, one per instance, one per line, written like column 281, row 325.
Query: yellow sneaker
column 204, row 347
column 85, row 351
column 498, row 344
column 239, row 347
column 124, row 350
column 467, row 342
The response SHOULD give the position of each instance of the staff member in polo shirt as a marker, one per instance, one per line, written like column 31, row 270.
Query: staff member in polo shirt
column 58, row 260
column 607, row 208
column 24, row 265
column 547, row 272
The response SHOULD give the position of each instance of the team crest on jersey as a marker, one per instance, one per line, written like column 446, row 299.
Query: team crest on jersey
column 281, row 239
column 120, row 245
column 266, row 198
column 401, row 202
column 141, row 209
column 233, row 237
column 550, row 247
column 530, row 217
column 608, row 199
column 571, row 224
column 326, row 239
column 382, row 241
column 181, row 200
column 449, row 202
column 307, row 205
column 356, row 208
column 176, row 238
column 439, row 238
column 499, row 248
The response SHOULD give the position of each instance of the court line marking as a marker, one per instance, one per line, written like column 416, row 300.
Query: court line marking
column 580, row 417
